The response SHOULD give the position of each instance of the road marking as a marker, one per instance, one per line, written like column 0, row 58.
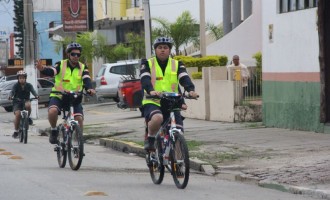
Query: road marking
column 95, row 193
column 15, row 157
column 6, row 153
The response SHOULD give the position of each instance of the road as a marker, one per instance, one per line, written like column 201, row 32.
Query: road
column 30, row 171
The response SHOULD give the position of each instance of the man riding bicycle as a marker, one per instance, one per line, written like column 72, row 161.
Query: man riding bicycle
column 21, row 90
column 162, row 74
column 70, row 75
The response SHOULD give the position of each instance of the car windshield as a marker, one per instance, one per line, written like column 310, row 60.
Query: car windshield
column 7, row 85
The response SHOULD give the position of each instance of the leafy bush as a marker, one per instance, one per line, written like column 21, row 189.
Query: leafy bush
column 197, row 75
column 206, row 61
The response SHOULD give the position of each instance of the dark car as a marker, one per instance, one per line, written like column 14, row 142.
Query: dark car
column 44, row 88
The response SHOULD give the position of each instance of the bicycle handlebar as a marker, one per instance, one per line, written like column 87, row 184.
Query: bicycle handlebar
column 70, row 93
column 171, row 94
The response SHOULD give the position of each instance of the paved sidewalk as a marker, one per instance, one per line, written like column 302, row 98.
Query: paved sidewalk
column 291, row 161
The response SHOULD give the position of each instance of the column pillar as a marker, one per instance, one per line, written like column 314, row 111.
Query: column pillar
column 247, row 8
column 236, row 13
column 226, row 7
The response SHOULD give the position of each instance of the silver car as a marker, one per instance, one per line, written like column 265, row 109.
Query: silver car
column 44, row 88
column 109, row 76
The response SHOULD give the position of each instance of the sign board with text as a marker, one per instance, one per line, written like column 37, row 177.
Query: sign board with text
column 74, row 15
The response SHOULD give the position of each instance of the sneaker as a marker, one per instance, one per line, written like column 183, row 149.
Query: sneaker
column 15, row 134
column 30, row 121
column 149, row 143
column 53, row 137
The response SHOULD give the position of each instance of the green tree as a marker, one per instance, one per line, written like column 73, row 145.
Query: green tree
column 136, row 44
column 215, row 31
column 184, row 30
column 18, row 28
column 93, row 45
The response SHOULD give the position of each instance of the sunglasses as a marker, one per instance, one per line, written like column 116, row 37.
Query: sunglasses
column 75, row 54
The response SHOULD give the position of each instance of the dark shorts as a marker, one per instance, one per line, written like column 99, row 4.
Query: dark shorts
column 18, row 106
column 59, row 104
column 150, row 109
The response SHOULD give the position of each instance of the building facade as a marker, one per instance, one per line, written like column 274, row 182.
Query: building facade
column 291, row 70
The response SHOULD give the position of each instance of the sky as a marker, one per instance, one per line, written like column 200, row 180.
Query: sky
column 171, row 9
column 6, row 15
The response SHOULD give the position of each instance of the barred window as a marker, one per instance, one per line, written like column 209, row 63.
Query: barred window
column 294, row 5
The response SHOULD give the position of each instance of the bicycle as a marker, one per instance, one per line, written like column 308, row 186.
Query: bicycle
column 171, row 150
column 70, row 145
column 24, row 121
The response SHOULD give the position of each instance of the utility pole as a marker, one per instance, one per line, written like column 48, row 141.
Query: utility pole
column 202, row 27
column 29, row 52
column 147, row 28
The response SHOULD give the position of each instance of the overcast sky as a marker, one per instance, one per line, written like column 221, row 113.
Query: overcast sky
column 171, row 9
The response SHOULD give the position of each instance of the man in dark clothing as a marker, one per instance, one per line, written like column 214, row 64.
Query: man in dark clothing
column 21, row 90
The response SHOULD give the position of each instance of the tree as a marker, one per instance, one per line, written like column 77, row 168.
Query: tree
column 93, row 45
column 184, row 30
column 19, row 26
column 215, row 31
column 137, row 45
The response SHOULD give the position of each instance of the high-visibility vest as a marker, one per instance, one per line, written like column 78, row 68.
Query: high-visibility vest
column 67, row 79
column 162, row 83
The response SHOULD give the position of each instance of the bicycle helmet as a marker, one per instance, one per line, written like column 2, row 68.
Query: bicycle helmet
column 163, row 40
column 21, row 73
column 72, row 46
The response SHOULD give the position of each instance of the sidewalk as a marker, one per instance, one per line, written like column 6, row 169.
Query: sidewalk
column 291, row 161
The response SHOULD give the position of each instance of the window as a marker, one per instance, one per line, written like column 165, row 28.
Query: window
column 294, row 5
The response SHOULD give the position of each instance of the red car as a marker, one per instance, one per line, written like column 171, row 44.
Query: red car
column 130, row 94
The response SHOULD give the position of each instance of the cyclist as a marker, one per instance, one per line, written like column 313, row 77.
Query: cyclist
column 70, row 75
column 162, row 74
column 21, row 90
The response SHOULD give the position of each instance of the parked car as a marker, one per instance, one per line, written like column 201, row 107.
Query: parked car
column 8, row 78
column 111, row 74
column 44, row 88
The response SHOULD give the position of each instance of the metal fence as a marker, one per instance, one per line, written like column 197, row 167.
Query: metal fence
column 250, row 94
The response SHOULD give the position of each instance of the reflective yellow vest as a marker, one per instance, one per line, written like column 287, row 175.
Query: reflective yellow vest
column 162, row 83
column 67, row 79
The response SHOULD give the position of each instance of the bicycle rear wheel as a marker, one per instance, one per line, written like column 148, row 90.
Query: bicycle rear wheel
column 155, row 164
column 61, row 149
column 76, row 148
column 179, row 157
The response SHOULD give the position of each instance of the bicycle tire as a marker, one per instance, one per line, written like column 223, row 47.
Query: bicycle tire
column 20, row 133
column 156, row 167
column 76, row 147
column 61, row 149
column 25, row 130
column 180, row 164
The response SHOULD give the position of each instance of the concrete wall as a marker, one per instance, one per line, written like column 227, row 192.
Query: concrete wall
column 219, row 101
column 291, row 73
column 244, row 40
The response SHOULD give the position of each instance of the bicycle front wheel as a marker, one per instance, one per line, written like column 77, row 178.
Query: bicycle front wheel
column 179, row 157
column 25, row 129
column 61, row 149
column 76, row 148
column 155, row 164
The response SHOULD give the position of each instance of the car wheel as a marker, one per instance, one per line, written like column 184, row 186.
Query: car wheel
column 116, row 99
column 9, row 108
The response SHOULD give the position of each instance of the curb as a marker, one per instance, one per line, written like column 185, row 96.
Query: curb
column 227, row 174
column 131, row 147
column 315, row 193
